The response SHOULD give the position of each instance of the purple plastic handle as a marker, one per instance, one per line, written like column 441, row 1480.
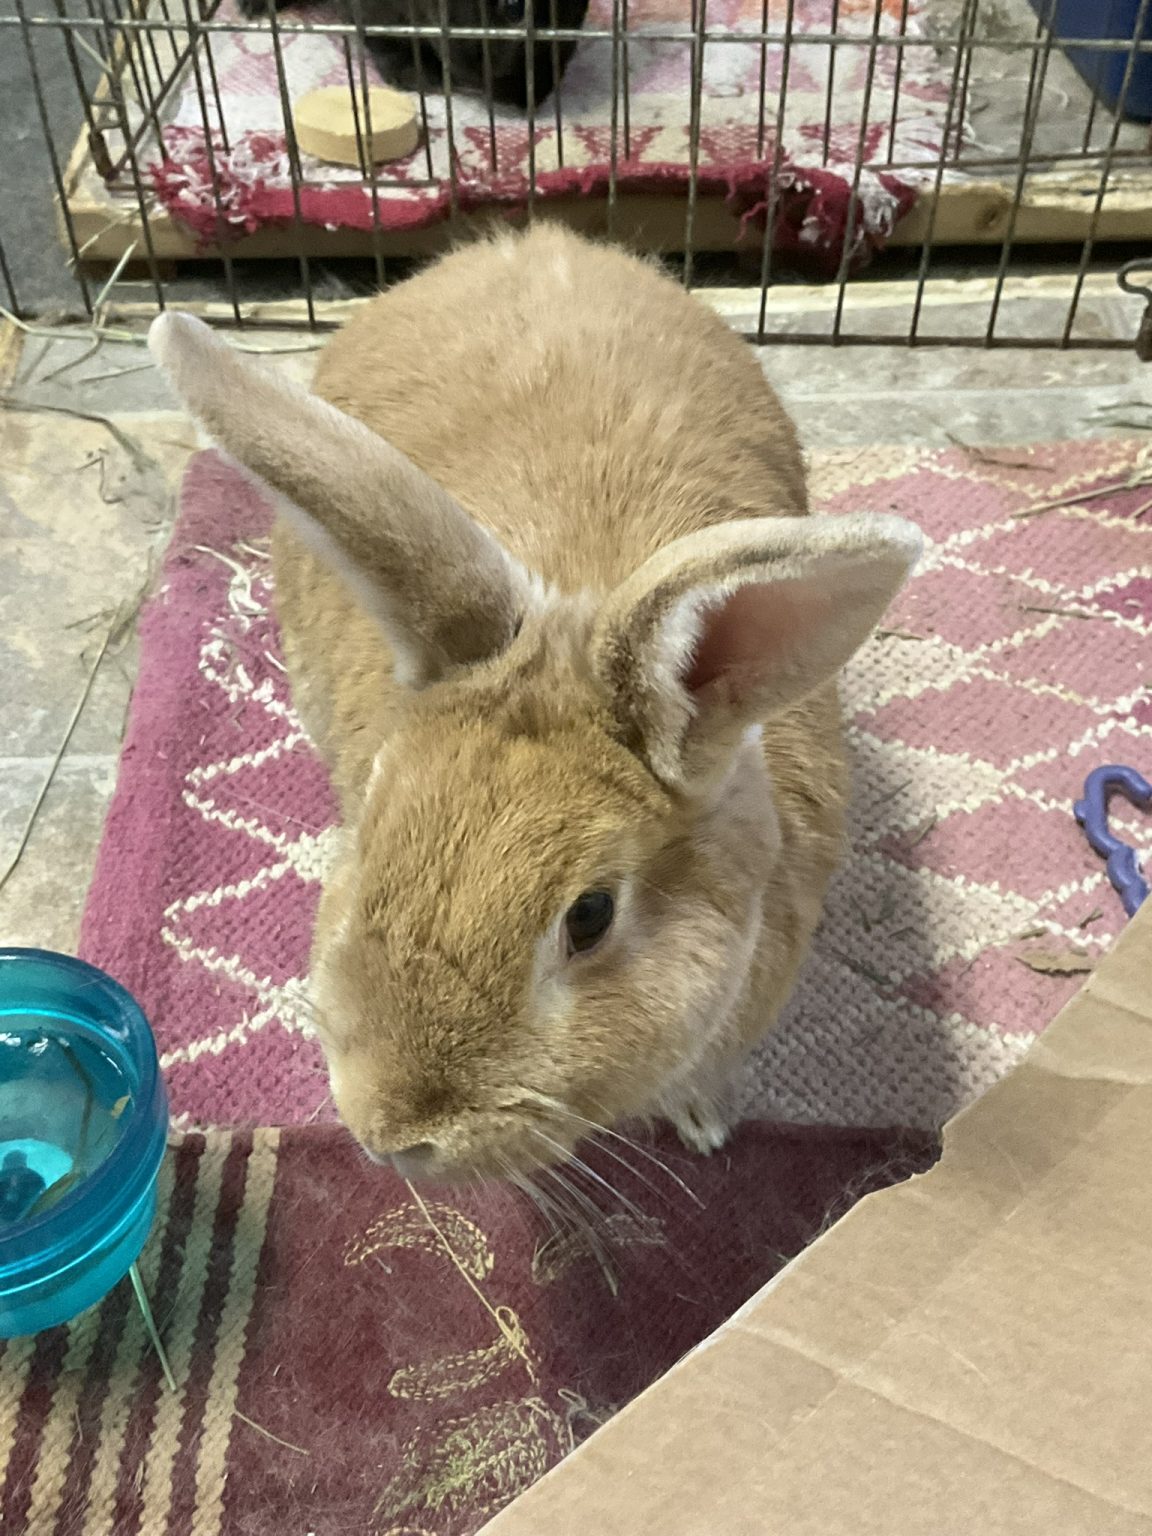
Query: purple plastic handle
column 1123, row 863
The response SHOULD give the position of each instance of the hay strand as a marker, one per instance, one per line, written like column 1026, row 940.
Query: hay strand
column 511, row 1337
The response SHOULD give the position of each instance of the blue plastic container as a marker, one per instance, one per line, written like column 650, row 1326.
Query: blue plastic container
column 83, row 1127
column 1103, row 21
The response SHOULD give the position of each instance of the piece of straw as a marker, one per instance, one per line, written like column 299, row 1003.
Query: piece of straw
column 501, row 1323
column 150, row 1324
column 50, row 776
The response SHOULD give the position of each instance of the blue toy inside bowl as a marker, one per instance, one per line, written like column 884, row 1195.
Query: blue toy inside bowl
column 83, row 1127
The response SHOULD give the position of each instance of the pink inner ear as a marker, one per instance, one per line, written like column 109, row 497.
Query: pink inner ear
column 751, row 634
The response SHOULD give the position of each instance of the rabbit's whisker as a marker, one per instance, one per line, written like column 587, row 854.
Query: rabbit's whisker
column 524, row 1184
column 574, row 1161
column 559, row 1216
column 559, row 1108
column 602, row 1146
column 583, row 1200
column 586, row 1228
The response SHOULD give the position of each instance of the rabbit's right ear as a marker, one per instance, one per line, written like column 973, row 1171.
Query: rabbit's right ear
column 726, row 626
column 445, row 591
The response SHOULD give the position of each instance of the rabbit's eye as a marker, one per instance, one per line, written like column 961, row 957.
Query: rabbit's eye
column 587, row 920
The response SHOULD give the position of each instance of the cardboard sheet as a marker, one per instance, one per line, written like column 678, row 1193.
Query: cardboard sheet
column 970, row 1352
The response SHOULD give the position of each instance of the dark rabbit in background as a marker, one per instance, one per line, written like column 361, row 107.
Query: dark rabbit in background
column 506, row 74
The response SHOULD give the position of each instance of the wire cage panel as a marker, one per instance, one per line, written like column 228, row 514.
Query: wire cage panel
column 802, row 136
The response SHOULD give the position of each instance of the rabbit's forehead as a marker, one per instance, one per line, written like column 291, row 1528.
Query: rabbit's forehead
column 491, row 774
column 510, row 821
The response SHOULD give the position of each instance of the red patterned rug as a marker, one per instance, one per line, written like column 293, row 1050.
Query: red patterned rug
column 890, row 103
column 338, row 1370
column 1016, row 660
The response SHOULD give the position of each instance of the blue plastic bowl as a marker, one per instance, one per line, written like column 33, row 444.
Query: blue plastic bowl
column 88, row 1217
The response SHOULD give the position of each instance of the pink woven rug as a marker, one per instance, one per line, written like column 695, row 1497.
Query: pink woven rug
column 1017, row 660
column 408, row 1409
column 643, row 146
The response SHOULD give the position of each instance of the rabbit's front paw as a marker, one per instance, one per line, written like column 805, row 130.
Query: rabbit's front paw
column 700, row 1125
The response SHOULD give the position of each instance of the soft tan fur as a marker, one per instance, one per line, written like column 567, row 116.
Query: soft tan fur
column 535, row 634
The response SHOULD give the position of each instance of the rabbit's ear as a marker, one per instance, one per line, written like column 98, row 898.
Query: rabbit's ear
column 445, row 591
column 722, row 628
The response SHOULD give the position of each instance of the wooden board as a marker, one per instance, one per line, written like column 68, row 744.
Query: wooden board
column 1058, row 206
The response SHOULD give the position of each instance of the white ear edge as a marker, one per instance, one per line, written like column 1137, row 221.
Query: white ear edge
column 161, row 332
column 175, row 339
column 188, row 352
column 856, row 532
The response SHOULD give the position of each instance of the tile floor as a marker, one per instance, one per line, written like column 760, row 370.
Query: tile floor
column 86, row 503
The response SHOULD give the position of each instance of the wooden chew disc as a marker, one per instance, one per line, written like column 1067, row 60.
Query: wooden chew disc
column 326, row 120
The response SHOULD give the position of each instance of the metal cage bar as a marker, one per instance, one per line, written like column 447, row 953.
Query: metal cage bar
column 842, row 41
column 857, row 172
column 955, row 88
column 294, row 170
column 614, row 120
column 362, row 107
column 9, row 282
column 1037, row 74
column 773, row 204
column 198, row 72
column 1139, row 24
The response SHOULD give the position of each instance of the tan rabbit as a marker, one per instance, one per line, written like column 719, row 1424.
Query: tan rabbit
column 557, row 620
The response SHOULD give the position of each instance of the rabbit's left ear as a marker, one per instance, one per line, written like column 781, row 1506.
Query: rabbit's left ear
column 444, row 590
column 721, row 629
